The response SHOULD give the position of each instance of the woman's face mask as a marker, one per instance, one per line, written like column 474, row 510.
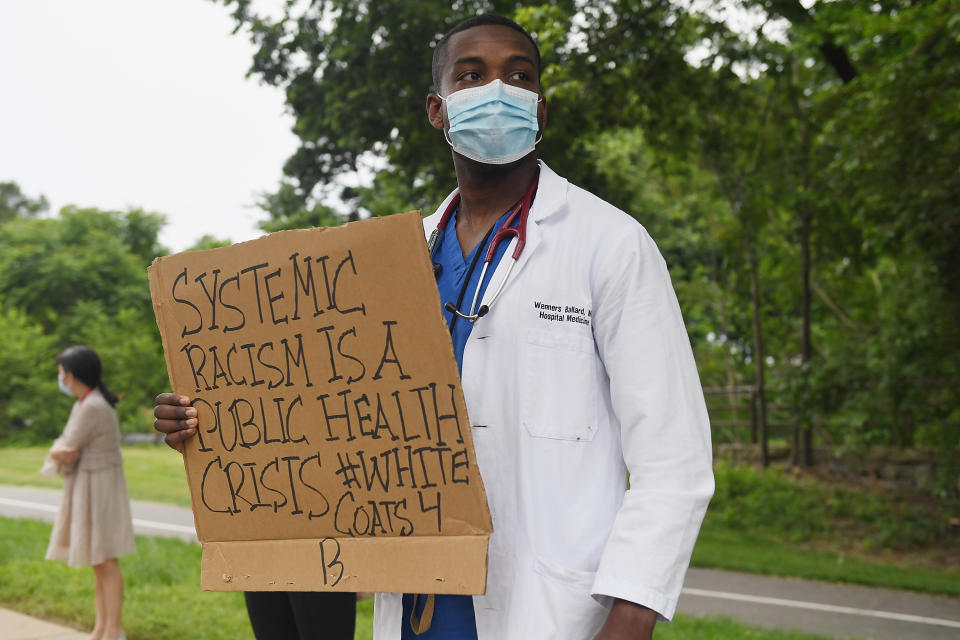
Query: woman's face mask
column 63, row 385
column 493, row 124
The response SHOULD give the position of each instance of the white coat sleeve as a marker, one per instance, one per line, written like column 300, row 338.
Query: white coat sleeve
column 664, row 430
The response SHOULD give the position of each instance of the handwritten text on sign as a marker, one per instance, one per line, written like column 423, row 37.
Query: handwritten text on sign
column 328, row 398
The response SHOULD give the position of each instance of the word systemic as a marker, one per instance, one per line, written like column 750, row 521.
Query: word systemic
column 309, row 404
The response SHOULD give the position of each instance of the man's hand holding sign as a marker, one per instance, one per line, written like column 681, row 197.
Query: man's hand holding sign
column 326, row 425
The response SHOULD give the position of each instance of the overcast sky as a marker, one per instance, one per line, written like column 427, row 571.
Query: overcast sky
column 139, row 103
column 145, row 103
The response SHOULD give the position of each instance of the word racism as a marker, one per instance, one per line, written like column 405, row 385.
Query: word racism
column 312, row 408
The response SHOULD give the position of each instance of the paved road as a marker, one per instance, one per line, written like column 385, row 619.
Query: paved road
column 149, row 518
column 832, row 610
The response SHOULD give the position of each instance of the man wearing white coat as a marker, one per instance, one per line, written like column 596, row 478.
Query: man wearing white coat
column 577, row 374
column 576, row 369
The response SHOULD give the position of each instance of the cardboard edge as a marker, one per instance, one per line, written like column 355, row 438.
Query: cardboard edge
column 430, row 564
column 425, row 264
column 154, row 278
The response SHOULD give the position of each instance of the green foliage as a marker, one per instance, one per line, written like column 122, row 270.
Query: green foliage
column 14, row 204
column 208, row 241
column 357, row 75
column 820, row 147
column 801, row 509
column 49, row 265
column 885, row 195
column 27, row 373
column 900, row 133
column 890, row 382
column 76, row 278
column 287, row 211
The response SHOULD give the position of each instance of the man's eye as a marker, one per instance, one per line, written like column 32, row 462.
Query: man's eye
column 470, row 76
column 520, row 75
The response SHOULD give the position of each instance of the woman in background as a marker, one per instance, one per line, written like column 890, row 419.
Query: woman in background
column 93, row 526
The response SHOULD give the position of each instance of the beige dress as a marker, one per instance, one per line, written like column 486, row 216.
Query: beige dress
column 94, row 522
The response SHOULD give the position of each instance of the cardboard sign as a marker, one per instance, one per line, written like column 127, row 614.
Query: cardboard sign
column 333, row 450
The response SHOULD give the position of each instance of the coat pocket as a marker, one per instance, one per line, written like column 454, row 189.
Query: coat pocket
column 565, row 596
column 558, row 385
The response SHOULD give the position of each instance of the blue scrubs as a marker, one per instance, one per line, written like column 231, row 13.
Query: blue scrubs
column 453, row 617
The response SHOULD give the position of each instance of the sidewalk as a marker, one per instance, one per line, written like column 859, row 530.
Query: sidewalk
column 17, row 626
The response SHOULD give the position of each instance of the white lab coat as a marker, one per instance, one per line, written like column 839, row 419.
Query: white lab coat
column 563, row 409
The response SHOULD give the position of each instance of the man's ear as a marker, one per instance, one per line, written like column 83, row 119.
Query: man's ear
column 435, row 111
column 542, row 113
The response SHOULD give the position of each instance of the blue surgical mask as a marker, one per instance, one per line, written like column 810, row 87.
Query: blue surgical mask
column 493, row 124
column 63, row 386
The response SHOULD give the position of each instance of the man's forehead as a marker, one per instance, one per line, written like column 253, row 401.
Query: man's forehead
column 506, row 41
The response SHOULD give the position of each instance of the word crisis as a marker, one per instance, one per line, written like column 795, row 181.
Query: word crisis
column 293, row 484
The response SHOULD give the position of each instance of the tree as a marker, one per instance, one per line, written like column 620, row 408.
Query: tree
column 77, row 278
column 356, row 75
column 800, row 177
column 28, row 401
column 287, row 211
column 899, row 131
column 49, row 265
column 880, row 201
column 14, row 204
column 208, row 241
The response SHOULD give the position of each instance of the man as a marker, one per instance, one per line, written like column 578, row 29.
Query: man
column 576, row 369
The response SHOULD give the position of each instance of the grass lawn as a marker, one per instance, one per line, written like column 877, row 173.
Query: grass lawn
column 722, row 547
column 154, row 473
column 164, row 601
column 759, row 522
column 780, row 523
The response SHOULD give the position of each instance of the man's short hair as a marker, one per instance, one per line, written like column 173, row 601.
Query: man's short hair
column 440, row 51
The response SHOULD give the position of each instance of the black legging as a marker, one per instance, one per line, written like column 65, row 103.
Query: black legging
column 301, row 615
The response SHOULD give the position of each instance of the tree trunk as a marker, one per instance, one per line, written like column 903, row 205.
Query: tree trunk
column 759, row 356
column 805, row 346
column 733, row 400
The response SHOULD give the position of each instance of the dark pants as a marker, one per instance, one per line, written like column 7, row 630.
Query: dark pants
column 301, row 615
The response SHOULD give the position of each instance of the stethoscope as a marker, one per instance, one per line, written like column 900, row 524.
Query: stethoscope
column 520, row 211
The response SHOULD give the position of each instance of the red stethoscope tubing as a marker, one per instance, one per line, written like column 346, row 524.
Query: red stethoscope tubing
column 522, row 209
